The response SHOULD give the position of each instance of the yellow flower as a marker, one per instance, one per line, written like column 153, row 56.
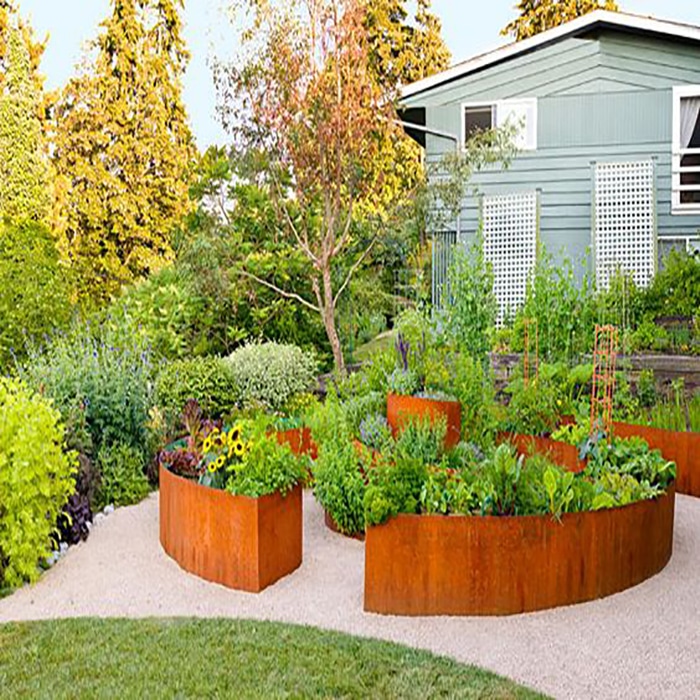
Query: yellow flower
column 234, row 434
column 239, row 449
column 212, row 467
column 220, row 462
column 206, row 446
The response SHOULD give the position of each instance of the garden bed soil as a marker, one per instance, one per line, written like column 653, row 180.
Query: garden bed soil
column 683, row 448
column 240, row 542
column 402, row 409
column 331, row 525
column 471, row 565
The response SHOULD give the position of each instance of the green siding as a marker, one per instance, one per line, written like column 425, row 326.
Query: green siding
column 604, row 99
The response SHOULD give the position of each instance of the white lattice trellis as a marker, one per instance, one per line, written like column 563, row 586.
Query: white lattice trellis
column 510, row 245
column 625, row 221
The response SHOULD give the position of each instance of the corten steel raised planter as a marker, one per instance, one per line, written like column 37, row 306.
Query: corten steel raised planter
column 299, row 440
column 462, row 565
column 331, row 525
column 681, row 448
column 559, row 452
column 239, row 542
column 400, row 410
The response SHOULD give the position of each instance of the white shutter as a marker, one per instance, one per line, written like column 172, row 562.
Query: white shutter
column 521, row 113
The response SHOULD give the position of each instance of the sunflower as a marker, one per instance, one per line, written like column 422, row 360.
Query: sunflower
column 212, row 467
column 234, row 435
column 239, row 449
column 220, row 462
column 206, row 446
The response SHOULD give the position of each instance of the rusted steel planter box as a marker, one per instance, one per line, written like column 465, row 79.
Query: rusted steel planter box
column 559, row 452
column 239, row 542
column 331, row 525
column 299, row 441
column 461, row 565
column 681, row 448
column 402, row 409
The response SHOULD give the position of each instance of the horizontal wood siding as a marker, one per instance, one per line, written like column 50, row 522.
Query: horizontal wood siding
column 599, row 100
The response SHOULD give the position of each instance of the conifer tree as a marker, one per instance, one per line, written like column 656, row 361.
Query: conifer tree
column 539, row 15
column 123, row 147
column 24, row 185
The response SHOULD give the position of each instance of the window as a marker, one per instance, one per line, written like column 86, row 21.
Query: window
column 686, row 149
column 521, row 113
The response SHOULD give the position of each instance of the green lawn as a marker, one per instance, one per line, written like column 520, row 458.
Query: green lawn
column 383, row 341
column 224, row 659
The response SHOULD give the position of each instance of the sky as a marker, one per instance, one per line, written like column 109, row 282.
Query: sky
column 467, row 31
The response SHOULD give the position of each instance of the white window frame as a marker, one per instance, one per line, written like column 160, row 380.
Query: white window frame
column 677, row 153
column 500, row 107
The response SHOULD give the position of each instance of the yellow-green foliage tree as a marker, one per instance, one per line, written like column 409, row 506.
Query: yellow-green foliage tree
column 24, row 180
column 539, row 15
column 401, row 51
column 123, row 148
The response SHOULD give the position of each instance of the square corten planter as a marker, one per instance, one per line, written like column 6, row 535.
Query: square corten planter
column 240, row 542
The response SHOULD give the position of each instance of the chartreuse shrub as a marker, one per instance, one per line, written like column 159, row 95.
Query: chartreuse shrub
column 207, row 380
column 36, row 479
column 270, row 374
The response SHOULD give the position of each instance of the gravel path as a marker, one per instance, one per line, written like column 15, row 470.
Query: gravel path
column 643, row 643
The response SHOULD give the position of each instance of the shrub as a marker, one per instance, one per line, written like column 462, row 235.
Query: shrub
column 270, row 374
column 207, row 380
column 472, row 310
column 105, row 372
column 122, row 478
column 34, row 292
column 73, row 523
column 36, row 480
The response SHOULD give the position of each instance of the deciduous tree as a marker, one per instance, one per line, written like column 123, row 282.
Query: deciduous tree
column 539, row 15
column 306, row 96
column 123, row 147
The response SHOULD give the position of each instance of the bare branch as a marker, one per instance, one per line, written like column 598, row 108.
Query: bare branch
column 281, row 292
column 354, row 268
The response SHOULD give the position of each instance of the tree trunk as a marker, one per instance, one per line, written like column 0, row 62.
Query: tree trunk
column 328, row 314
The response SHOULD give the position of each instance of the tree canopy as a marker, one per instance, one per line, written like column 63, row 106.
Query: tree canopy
column 123, row 147
column 537, row 16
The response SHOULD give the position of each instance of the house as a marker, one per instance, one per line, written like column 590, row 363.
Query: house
column 608, row 115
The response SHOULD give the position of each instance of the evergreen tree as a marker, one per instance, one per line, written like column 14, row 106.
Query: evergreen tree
column 123, row 147
column 24, row 188
column 539, row 15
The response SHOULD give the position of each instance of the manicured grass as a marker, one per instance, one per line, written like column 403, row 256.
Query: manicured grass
column 226, row 659
column 383, row 341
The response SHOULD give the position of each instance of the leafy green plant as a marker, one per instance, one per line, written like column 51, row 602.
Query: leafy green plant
column 339, row 483
column 394, row 487
column 503, row 472
column 35, row 288
column 375, row 433
column 36, row 479
column 422, row 439
column 105, row 371
column 256, row 464
column 534, row 409
column 472, row 308
column 122, row 478
column 403, row 382
column 270, row 374
column 207, row 380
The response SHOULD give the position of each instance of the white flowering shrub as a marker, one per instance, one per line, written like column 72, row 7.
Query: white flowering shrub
column 270, row 374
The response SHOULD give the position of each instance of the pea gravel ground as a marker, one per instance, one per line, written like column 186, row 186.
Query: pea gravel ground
column 643, row 643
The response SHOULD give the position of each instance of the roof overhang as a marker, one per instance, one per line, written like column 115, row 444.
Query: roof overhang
column 599, row 19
